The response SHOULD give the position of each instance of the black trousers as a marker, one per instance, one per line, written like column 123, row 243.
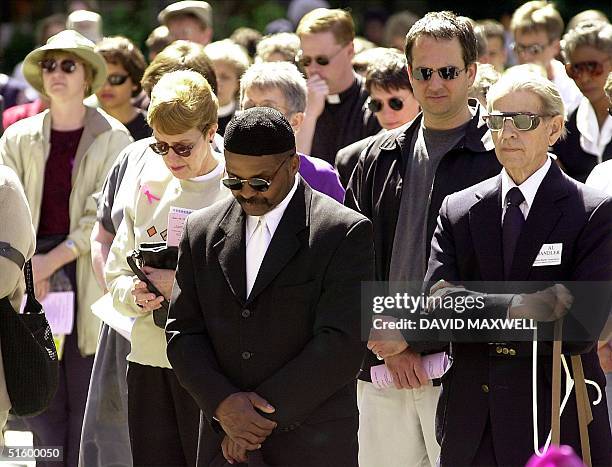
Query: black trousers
column 163, row 418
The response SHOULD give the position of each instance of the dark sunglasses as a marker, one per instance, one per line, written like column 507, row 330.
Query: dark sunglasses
column 522, row 121
column 593, row 68
column 446, row 72
column 256, row 183
column 117, row 80
column 50, row 64
column 322, row 60
column 534, row 49
column 376, row 105
column 182, row 150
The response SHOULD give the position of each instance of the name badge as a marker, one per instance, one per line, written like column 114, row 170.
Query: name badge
column 549, row 255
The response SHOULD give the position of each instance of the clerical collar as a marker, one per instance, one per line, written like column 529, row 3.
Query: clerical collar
column 342, row 96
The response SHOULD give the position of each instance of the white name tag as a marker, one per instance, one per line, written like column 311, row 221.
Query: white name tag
column 549, row 255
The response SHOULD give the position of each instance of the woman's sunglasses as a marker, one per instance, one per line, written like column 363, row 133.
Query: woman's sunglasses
column 376, row 105
column 182, row 150
column 117, row 80
column 522, row 121
column 256, row 183
column 446, row 72
column 50, row 64
column 593, row 68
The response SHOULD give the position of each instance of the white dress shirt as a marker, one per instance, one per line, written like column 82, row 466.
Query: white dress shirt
column 255, row 256
column 529, row 188
column 592, row 138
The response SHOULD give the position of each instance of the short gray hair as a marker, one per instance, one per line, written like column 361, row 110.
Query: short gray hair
column 286, row 44
column 486, row 76
column 596, row 34
column 283, row 76
column 550, row 99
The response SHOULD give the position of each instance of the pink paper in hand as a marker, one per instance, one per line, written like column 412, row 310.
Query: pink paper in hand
column 435, row 366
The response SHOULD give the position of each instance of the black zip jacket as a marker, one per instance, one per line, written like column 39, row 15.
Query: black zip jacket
column 376, row 185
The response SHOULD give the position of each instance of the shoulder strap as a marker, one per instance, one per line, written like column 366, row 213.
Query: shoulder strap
column 29, row 279
column 12, row 253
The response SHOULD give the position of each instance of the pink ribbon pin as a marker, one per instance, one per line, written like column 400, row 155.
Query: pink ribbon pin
column 150, row 196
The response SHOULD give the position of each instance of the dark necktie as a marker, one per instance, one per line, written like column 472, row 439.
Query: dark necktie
column 512, row 226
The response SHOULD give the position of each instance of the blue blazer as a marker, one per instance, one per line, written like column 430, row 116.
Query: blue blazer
column 486, row 385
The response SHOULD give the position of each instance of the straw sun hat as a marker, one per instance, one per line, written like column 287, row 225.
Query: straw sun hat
column 71, row 42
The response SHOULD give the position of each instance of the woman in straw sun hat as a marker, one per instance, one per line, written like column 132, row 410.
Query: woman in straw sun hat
column 61, row 157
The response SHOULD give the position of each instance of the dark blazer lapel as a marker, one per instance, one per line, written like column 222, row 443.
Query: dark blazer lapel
column 543, row 216
column 231, row 251
column 486, row 233
column 284, row 243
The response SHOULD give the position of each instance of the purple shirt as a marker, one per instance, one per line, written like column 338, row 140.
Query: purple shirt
column 321, row 176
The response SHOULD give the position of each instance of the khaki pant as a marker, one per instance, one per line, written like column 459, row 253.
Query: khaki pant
column 397, row 426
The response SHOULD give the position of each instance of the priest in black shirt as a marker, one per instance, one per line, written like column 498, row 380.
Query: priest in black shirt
column 336, row 113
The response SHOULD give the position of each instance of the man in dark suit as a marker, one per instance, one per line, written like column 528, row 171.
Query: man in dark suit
column 264, row 324
column 530, row 223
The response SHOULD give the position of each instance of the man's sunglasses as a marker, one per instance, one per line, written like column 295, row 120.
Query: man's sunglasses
column 534, row 49
column 50, row 64
column 321, row 60
column 182, row 150
column 256, row 183
column 593, row 68
column 446, row 72
column 117, row 80
column 521, row 120
column 376, row 105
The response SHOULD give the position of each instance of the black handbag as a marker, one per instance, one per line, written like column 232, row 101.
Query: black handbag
column 159, row 256
column 29, row 355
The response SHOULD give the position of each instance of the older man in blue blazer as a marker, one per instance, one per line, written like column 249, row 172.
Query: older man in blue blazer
column 499, row 230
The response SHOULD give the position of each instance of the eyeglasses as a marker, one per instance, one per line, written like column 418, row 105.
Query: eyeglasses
column 446, row 72
column 50, row 64
column 256, row 183
column 182, row 150
column 117, row 80
column 322, row 60
column 522, row 121
column 593, row 68
column 534, row 49
column 376, row 105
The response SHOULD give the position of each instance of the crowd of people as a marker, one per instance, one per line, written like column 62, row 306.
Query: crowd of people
column 262, row 181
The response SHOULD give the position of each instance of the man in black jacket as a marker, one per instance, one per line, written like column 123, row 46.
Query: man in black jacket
column 264, row 324
column 399, row 183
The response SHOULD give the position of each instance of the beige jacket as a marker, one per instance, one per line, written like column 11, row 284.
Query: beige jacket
column 25, row 148
column 19, row 232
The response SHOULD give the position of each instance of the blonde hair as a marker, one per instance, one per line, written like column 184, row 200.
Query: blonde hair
column 608, row 87
column 182, row 100
column 537, row 15
column 227, row 51
column 338, row 22
column 551, row 103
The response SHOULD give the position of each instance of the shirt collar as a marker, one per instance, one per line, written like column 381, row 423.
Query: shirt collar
column 529, row 187
column 272, row 217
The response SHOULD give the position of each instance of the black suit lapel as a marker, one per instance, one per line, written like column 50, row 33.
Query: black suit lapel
column 285, row 242
column 486, row 232
column 231, row 251
column 543, row 216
